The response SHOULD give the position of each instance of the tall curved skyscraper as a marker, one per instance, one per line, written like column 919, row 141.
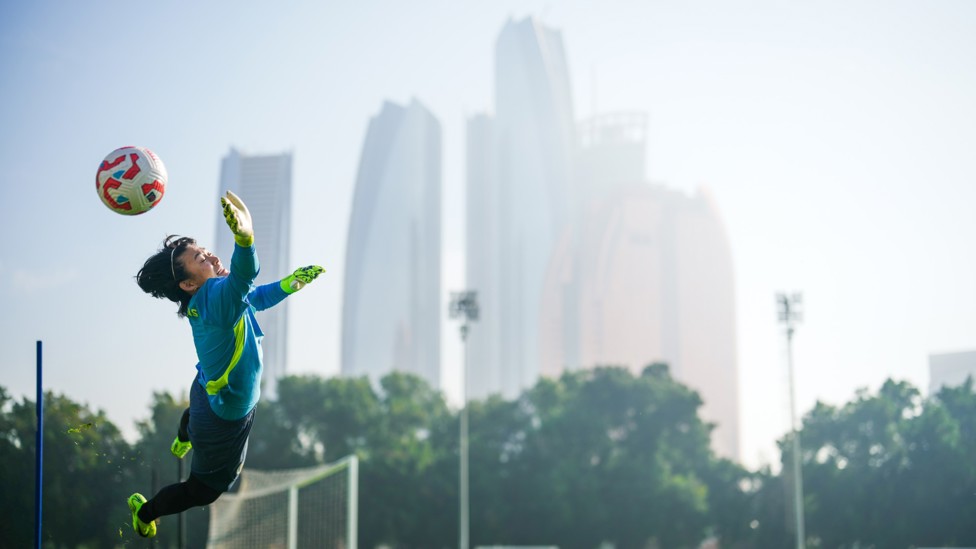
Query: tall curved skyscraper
column 391, row 300
column 264, row 183
column 520, row 196
column 643, row 275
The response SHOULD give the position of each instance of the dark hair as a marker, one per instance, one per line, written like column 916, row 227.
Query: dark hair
column 161, row 274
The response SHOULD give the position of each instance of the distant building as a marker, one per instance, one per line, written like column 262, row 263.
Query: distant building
column 577, row 260
column 950, row 369
column 264, row 183
column 391, row 308
column 520, row 196
column 643, row 275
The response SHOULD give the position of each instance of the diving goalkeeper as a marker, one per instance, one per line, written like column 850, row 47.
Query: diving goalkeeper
column 220, row 306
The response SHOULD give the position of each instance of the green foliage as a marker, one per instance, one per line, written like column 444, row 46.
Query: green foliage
column 397, row 469
column 320, row 420
column 595, row 457
column 87, row 468
column 884, row 470
column 610, row 458
column 390, row 427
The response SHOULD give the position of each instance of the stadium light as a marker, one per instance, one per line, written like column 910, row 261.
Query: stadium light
column 790, row 315
column 464, row 305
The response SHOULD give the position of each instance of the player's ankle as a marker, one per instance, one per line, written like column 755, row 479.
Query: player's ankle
column 142, row 513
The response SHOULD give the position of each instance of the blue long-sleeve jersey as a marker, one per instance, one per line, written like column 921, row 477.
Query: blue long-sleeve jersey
column 227, row 336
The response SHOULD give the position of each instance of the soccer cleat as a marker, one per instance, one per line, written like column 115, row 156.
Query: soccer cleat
column 136, row 501
column 180, row 448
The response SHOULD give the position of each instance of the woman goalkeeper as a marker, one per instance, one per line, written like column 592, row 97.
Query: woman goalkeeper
column 220, row 306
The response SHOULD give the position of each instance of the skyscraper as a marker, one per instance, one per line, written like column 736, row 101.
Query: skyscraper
column 264, row 183
column 950, row 369
column 520, row 196
column 644, row 274
column 392, row 291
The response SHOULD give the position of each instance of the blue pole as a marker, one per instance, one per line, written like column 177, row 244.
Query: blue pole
column 39, row 454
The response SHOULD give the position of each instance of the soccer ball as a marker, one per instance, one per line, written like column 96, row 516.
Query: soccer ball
column 131, row 180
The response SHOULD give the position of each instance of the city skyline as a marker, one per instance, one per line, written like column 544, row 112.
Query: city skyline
column 834, row 136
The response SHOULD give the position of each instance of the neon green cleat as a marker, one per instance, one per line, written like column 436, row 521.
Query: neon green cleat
column 180, row 448
column 136, row 502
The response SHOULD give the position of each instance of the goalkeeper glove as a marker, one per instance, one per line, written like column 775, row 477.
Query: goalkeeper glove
column 298, row 279
column 238, row 219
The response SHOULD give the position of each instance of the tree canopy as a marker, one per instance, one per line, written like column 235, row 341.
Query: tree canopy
column 595, row 457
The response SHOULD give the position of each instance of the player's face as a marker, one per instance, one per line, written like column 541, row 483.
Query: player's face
column 200, row 265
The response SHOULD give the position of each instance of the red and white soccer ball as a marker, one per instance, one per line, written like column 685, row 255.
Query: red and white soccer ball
column 131, row 180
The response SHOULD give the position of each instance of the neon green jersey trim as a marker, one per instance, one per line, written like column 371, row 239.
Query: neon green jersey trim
column 214, row 387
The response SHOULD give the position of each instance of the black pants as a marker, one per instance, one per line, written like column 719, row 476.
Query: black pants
column 181, row 496
column 177, row 498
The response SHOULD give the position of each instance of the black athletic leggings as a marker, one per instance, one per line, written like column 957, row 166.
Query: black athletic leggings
column 177, row 498
column 181, row 496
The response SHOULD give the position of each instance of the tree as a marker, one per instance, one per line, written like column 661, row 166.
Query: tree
column 890, row 469
column 390, row 427
column 594, row 456
column 395, row 476
column 732, row 493
column 86, row 474
column 960, row 404
column 327, row 419
column 610, row 457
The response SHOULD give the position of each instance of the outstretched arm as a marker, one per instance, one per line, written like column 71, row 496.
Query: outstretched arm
column 269, row 295
column 298, row 279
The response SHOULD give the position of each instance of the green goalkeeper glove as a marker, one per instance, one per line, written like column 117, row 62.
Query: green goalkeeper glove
column 238, row 219
column 298, row 279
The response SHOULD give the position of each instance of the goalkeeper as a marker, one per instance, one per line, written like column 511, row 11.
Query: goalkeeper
column 220, row 306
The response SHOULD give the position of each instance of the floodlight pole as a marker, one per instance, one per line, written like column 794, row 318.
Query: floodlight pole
column 464, row 305
column 789, row 316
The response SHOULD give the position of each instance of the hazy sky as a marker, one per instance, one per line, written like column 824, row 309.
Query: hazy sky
column 837, row 137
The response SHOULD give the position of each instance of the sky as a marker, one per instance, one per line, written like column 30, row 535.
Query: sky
column 836, row 137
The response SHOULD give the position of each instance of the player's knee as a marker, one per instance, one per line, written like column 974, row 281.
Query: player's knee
column 200, row 492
